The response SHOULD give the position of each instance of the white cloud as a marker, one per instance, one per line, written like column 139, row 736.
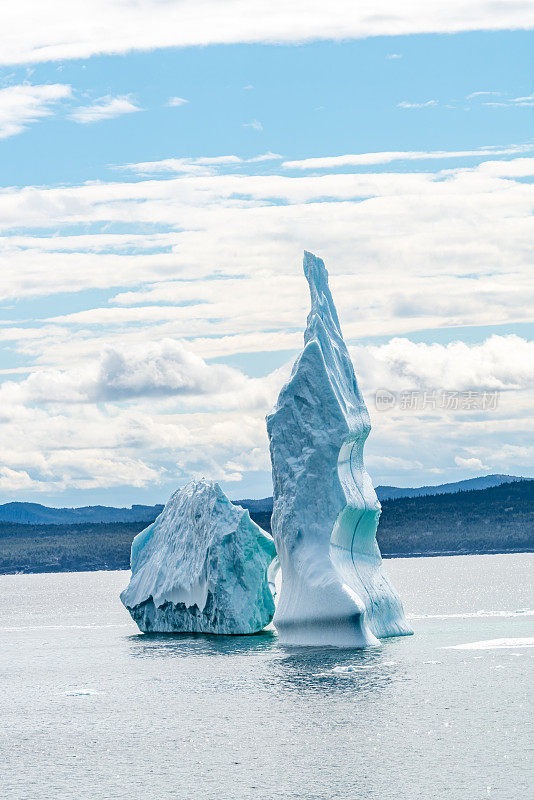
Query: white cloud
column 392, row 463
column 12, row 480
column 175, row 102
column 255, row 125
column 425, row 104
column 499, row 363
column 233, row 225
column 525, row 100
column 474, row 464
column 393, row 56
column 60, row 31
column 214, row 260
column 518, row 168
column 80, row 428
column 188, row 166
column 160, row 369
column 205, row 165
column 368, row 159
column 85, row 445
column 23, row 104
column 481, row 94
column 157, row 369
column 104, row 108
column 263, row 157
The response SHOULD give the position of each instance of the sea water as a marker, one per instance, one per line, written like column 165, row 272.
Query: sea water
column 93, row 710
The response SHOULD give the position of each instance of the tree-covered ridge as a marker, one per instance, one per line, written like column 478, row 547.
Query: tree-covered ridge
column 498, row 519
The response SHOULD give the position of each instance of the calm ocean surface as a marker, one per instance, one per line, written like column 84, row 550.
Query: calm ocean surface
column 92, row 710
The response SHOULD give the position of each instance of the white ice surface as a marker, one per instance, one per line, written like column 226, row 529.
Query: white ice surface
column 494, row 644
column 334, row 590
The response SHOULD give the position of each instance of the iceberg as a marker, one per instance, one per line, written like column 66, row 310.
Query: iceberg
column 201, row 567
column 334, row 590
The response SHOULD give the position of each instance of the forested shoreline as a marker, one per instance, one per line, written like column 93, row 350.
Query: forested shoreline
column 495, row 520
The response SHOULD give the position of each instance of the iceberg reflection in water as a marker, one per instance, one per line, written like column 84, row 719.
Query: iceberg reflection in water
column 313, row 669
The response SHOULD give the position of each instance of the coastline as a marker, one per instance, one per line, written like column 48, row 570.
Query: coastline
column 52, row 569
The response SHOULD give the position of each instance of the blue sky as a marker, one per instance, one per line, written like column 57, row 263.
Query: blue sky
column 316, row 99
column 152, row 298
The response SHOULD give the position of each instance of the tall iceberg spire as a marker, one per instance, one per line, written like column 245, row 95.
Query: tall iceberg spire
column 334, row 590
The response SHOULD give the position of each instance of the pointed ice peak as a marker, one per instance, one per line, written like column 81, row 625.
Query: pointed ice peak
column 201, row 487
column 322, row 304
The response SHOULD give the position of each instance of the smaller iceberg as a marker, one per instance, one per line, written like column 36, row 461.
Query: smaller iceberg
column 201, row 567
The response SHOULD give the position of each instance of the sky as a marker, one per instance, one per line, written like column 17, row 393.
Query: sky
column 162, row 168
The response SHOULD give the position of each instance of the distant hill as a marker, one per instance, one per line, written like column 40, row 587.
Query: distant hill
column 36, row 514
column 499, row 519
column 390, row 492
column 495, row 520
column 257, row 506
column 484, row 482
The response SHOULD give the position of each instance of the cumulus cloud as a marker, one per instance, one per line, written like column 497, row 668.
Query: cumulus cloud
column 164, row 368
column 24, row 104
column 130, row 418
column 79, row 30
column 212, row 261
column 255, row 125
column 518, row 168
column 107, row 107
column 474, row 464
column 155, row 369
column 13, row 480
column 499, row 363
column 159, row 414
